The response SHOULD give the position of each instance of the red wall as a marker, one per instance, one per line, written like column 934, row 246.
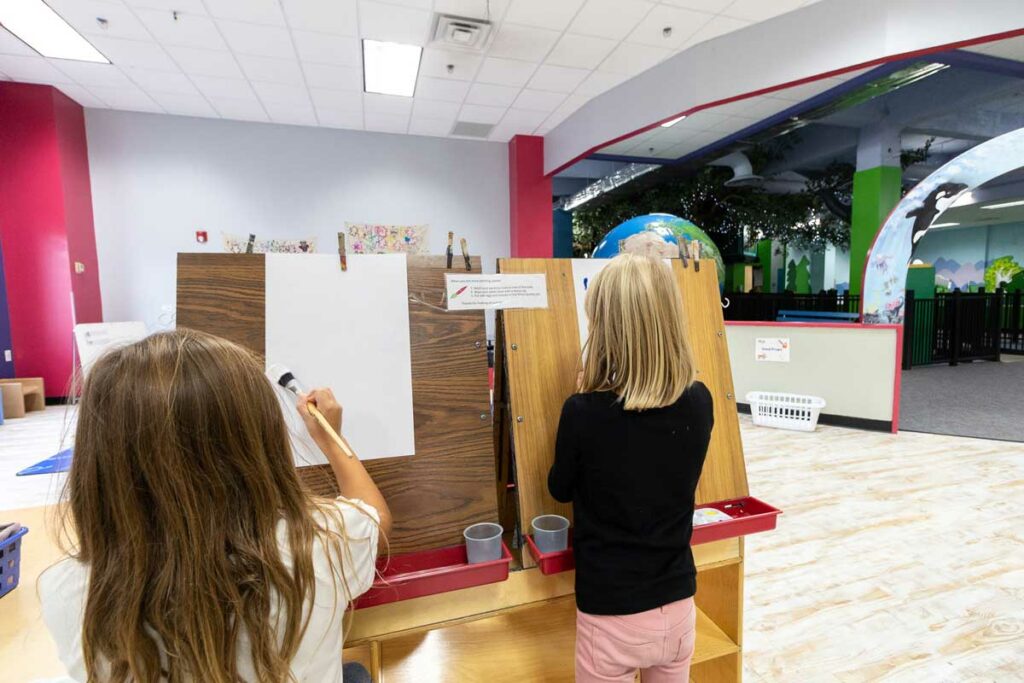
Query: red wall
column 531, row 225
column 45, row 224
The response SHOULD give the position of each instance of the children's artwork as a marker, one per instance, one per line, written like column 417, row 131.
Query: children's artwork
column 349, row 331
column 366, row 238
column 236, row 244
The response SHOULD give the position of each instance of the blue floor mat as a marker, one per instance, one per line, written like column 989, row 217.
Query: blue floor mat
column 52, row 465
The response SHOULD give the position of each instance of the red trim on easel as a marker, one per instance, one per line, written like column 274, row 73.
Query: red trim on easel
column 801, row 81
column 897, row 374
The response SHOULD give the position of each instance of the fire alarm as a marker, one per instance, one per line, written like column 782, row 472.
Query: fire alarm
column 201, row 236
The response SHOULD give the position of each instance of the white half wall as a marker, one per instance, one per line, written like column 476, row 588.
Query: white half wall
column 157, row 179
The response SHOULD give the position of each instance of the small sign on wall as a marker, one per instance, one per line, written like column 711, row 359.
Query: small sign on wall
column 771, row 349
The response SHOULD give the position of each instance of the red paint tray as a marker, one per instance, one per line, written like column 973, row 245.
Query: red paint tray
column 749, row 516
column 428, row 572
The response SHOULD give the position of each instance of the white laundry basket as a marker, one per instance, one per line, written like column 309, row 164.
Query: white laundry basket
column 785, row 411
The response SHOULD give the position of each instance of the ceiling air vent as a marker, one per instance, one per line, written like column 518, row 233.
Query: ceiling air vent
column 461, row 32
column 472, row 130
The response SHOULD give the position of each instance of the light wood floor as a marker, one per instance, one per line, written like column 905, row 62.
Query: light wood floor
column 898, row 559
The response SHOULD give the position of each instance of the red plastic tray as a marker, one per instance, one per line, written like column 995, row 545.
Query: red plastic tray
column 749, row 516
column 428, row 572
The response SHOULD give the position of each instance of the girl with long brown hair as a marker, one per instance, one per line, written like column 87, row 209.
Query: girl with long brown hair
column 198, row 555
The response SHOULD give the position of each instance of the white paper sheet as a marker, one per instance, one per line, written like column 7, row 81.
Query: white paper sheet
column 348, row 331
column 584, row 270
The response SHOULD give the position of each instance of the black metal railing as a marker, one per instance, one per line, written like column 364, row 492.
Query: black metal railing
column 959, row 326
column 766, row 306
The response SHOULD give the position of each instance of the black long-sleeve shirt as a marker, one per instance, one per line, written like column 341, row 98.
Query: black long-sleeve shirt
column 631, row 477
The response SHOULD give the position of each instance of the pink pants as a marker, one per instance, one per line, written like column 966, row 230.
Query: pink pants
column 659, row 642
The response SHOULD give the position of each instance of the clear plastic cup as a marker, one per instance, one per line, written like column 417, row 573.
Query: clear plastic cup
column 483, row 542
column 550, row 533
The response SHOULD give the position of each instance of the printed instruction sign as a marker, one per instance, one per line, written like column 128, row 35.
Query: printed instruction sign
column 475, row 292
column 771, row 349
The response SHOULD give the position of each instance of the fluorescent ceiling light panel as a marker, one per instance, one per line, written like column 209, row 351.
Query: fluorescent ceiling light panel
column 44, row 31
column 1004, row 205
column 944, row 225
column 669, row 124
column 390, row 68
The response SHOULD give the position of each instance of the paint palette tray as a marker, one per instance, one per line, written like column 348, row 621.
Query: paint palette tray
column 726, row 519
column 428, row 572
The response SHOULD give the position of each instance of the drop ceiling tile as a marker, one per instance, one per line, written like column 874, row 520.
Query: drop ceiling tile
column 584, row 52
column 146, row 54
column 245, row 109
column 83, row 14
column 324, row 48
column 340, row 118
column 391, row 23
column 609, row 18
column 82, row 96
column 674, row 134
column 558, row 78
column 433, row 109
column 386, row 123
column 492, row 95
column 189, row 30
column 334, row 77
column 682, row 22
column 474, row 9
column 539, row 100
column 435, row 63
column 432, row 127
column 203, row 62
column 9, row 45
column 630, row 59
column 709, row 6
column 543, row 13
column 252, row 11
column 225, row 88
column 598, row 82
column 718, row 26
column 153, row 81
column 337, row 99
column 271, row 69
column 386, row 104
column 292, row 113
column 477, row 113
column 31, row 70
column 280, row 93
column 523, row 42
column 440, row 89
column 338, row 16
column 89, row 73
column 505, row 72
column 255, row 39
column 759, row 10
column 130, row 98
column 191, row 6
column 524, row 119
column 420, row 4
column 184, row 105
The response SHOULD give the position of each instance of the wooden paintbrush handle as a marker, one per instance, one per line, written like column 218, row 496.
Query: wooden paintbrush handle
column 319, row 417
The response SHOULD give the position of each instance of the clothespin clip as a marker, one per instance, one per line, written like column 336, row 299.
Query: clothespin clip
column 250, row 244
column 682, row 250
column 695, row 246
column 342, row 256
column 465, row 253
column 448, row 252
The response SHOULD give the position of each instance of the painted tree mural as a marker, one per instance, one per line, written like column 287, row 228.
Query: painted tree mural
column 1000, row 272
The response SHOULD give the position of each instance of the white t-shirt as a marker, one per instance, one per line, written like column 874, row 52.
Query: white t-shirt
column 62, row 591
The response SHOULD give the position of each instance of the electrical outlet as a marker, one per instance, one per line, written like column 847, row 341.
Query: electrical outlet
column 7, row 355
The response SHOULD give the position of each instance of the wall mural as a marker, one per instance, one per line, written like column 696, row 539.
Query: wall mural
column 885, row 269
column 970, row 257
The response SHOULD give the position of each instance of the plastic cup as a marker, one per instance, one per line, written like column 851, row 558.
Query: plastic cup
column 550, row 533
column 483, row 542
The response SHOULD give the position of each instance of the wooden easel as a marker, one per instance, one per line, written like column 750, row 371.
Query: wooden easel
column 536, row 360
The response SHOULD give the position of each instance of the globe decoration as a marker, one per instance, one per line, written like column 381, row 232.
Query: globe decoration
column 641, row 235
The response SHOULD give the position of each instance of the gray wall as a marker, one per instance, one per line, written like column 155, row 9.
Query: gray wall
column 156, row 179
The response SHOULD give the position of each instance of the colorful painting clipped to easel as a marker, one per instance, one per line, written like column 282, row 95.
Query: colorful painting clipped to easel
column 238, row 244
column 367, row 238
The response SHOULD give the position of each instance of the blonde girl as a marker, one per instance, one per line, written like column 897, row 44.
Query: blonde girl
column 199, row 556
column 629, row 452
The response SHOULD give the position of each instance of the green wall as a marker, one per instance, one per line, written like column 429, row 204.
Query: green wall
column 875, row 192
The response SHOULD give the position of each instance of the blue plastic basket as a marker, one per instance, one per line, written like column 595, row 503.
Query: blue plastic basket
column 10, row 562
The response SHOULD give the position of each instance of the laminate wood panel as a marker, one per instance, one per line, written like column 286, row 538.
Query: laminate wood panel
column 450, row 482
